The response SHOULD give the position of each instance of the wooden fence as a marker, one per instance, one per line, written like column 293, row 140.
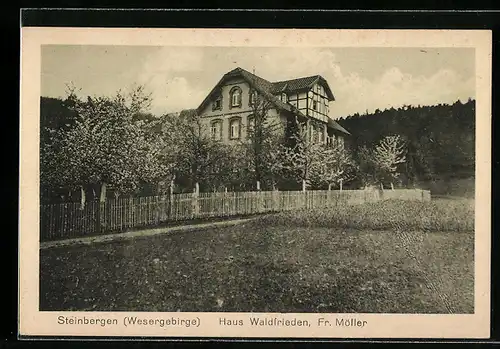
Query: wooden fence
column 67, row 220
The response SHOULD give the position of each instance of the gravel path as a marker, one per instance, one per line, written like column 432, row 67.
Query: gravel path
column 138, row 233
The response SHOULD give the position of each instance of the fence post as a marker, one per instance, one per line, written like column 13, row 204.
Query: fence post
column 195, row 201
column 102, row 208
column 102, row 194
column 304, row 192
column 82, row 198
column 275, row 196
column 234, row 206
column 261, row 196
column 102, row 217
column 171, row 200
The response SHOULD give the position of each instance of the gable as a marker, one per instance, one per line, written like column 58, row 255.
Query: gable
column 303, row 84
column 223, row 91
column 260, row 85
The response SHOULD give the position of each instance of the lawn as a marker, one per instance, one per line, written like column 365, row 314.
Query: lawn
column 389, row 257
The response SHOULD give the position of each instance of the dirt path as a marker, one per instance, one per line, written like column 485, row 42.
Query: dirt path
column 139, row 233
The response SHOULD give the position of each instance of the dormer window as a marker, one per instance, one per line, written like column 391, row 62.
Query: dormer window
column 217, row 104
column 235, row 97
column 315, row 105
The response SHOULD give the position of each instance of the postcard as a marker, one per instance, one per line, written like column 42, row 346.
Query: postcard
column 255, row 183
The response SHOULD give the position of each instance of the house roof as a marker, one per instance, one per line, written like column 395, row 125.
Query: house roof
column 302, row 84
column 336, row 126
column 269, row 89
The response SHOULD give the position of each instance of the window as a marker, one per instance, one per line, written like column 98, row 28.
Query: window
column 303, row 128
column 251, row 123
column 217, row 103
column 235, row 95
column 284, row 97
column 332, row 140
column 251, row 98
column 234, row 128
column 315, row 105
column 320, row 134
column 311, row 132
column 340, row 141
column 216, row 130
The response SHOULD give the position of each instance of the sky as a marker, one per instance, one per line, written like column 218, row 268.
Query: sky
column 362, row 79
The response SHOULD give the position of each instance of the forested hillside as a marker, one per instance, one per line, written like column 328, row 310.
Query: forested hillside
column 440, row 139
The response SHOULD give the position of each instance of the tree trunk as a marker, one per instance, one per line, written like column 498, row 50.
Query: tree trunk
column 381, row 186
column 392, row 186
column 329, row 186
column 340, row 185
column 304, row 185
column 258, row 185
column 82, row 198
column 102, row 197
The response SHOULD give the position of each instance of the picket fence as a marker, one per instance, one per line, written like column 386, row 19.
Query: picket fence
column 68, row 220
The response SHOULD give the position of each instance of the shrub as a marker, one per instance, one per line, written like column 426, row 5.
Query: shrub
column 439, row 215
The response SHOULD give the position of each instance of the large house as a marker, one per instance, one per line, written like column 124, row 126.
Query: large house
column 227, row 111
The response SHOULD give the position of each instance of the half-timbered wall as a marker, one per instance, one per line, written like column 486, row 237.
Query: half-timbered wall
column 317, row 103
column 313, row 103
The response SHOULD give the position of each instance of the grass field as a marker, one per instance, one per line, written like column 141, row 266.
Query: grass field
column 387, row 257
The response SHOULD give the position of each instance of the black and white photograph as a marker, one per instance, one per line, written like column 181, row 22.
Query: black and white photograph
column 256, row 179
